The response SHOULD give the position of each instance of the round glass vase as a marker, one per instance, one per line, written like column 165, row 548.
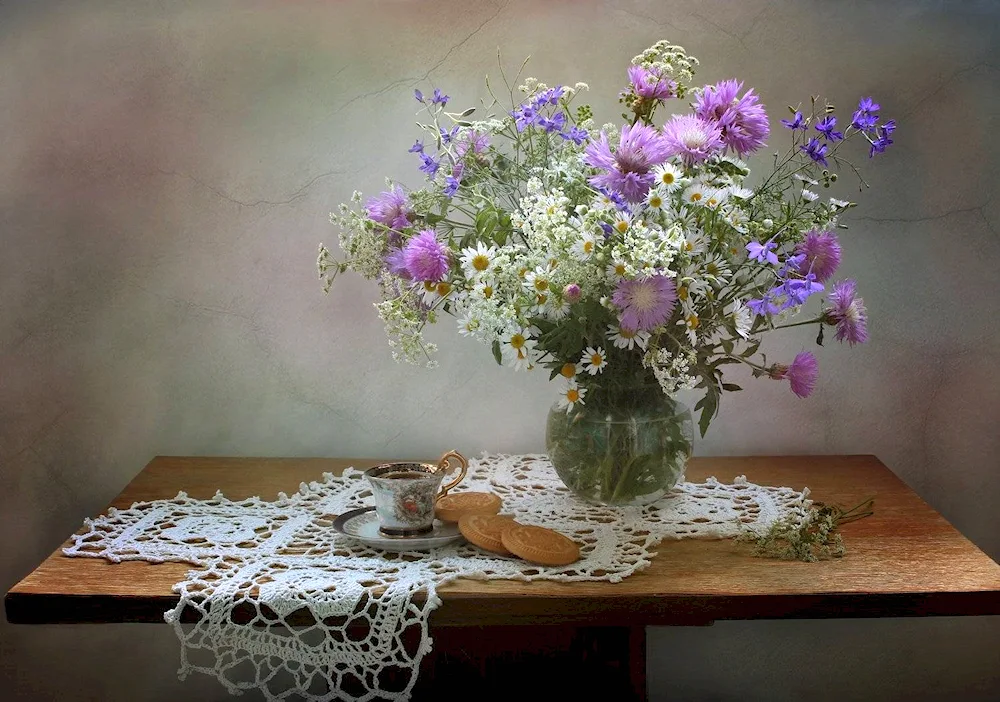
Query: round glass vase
column 627, row 447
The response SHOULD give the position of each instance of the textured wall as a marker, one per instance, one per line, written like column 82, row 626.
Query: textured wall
column 166, row 170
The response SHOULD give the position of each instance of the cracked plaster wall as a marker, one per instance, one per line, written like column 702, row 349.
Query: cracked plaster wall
column 166, row 171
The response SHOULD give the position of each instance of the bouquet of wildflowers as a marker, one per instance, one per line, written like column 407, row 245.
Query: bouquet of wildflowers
column 638, row 254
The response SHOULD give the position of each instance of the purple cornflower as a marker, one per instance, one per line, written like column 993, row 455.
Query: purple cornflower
column 827, row 127
column 816, row 150
column 763, row 252
column 473, row 143
column 645, row 304
column 651, row 85
column 430, row 166
column 451, row 186
column 627, row 170
column 439, row 97
column 425, row 258
column 390, row 208
column 798, row 122
column 742, row 120
column 572, row 293
column 395, row 261
column 848, row 313
column 801, row 374
column 822, row 254
column 417, row 148
column 554, row 123
column 575, row 134
column 692, row 138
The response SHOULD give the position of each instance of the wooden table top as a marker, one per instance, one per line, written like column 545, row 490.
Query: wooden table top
column 906, row 560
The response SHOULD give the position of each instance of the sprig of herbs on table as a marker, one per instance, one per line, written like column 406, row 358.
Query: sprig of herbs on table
column 814, row 537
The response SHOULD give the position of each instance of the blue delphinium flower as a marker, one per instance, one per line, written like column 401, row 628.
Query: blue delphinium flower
column 451, row 186
column 865, row 117
column 798, row 123
column 417, row 148
column 430, row 166
column 418, row 96
column 554, row 123
column 439, row 97
column 827, row 127
column 446, row 137
column 576, row 135
column 763, row 252
column 816, row 151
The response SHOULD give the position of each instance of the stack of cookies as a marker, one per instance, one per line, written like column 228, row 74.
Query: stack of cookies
column 477, row 514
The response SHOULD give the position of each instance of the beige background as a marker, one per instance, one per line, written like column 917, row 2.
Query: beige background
column 166, row 171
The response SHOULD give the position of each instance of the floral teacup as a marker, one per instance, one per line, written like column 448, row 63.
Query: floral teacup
column 405, row 493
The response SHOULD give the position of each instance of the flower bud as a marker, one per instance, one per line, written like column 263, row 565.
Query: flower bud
column 572, row 293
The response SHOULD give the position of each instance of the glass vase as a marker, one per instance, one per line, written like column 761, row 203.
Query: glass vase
column 626, row 447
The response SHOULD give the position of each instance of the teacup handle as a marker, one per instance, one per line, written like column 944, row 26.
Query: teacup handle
column 445, row 463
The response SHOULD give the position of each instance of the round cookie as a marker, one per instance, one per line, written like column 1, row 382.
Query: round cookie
column 540, row 545
column 451, row 507
column 485, row 531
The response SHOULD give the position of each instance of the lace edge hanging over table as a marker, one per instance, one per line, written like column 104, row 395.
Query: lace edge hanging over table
column 285, row 605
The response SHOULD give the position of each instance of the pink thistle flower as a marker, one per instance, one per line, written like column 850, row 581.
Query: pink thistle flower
column 425, row 258
column 848, row 313
column 628, row 168
column 650, row 85
column 390, row 208
column 822, row 254
column 742, row 120
column 645, row 304
column 801, row 374
column 572, row 293
column 692, row 138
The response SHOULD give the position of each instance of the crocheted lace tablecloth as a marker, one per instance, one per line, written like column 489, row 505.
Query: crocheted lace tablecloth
column 359, row 629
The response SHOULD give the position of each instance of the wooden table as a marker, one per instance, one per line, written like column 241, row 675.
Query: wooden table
column 906, row 560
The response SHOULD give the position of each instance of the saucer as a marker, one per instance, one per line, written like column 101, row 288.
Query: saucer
column 362, row 525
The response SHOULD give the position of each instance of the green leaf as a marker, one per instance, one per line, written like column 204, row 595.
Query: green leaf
column 727, row 345
column 709, row 411
column 496, row 352
column 751, row 349
column 731, row 387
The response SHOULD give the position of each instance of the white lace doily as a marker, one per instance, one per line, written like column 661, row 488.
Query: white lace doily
column 290, row 607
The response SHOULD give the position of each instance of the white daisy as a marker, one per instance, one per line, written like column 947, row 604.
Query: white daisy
column 569, row 370
column 839, row 204
column 694, row 243
column 806, row 179
column 572, row 395
column 741, row 193
column 477, row 261
column 809, row 195
column 585, row 246
column 432, row 292
column 557, row 308
column 468, row 325
column 715, row 198
column 668, row 176
column 738, row 220
column 485, row 288
column 616, row 270
column 742, row 318
column 593, row 360
column 518, row 348
column 541, row 305
column 625, row 338
column 655, row 198
column 695, row 194
column 622, row 222
column 717, row 268
column 537, row 280
column 691, row 324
